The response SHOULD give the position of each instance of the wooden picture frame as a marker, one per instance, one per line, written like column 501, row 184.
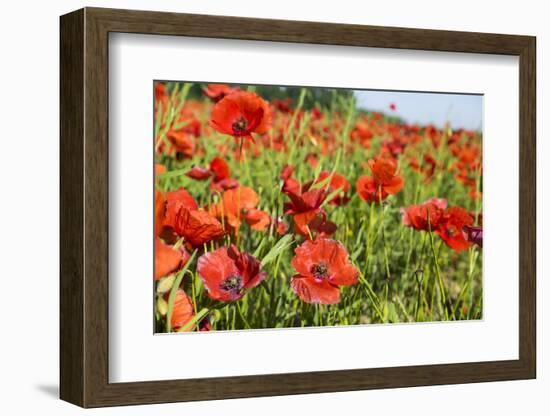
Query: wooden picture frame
column 84, row 207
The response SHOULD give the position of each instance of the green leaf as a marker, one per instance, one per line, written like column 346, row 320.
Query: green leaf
column 277, row 249
column 198, row 317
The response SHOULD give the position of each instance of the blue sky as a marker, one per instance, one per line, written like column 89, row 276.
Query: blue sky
column 460, row 110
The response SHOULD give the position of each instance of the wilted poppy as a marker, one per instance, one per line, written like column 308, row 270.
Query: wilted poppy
column 240, row 114
column 227, row 273
column 452, row 224
column 384, row 181
column 322, row 265
column 168, row 259
column 427, row 216
column 474, row 234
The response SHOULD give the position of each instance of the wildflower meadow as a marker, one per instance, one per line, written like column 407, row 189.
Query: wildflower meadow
column 279, row 207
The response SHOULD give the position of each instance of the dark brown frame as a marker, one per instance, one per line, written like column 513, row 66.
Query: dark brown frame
column 84, row 208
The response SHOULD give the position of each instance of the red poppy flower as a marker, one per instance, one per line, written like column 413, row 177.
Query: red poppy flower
column 240, row 204
column 167, row 259
column 257, row 219
column 384, row 181
column 393, row 107
column 160, row 91
column 307, row 214
column 289, row 183
column 240, row 114
column 183, row 311
column 227, row 273
column 322, row 266
column 284, row 106
column 160, row 209
column 452, row 224
column 196, row 227
column 174, row 201
column 222, row 180
column 337, row 182
column 198, row 173
column 224, row 184
column 217, row 91
column 427, row 168
column 220, row 169
column 159, row 169
column 183, row 142
column 416, row 216
column 312, row 160
column 362, row 133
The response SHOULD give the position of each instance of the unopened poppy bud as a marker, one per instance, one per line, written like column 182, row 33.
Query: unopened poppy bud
column 162, row 306
column 165, row 284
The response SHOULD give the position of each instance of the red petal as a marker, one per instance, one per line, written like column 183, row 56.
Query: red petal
column 167, row 260
column 182, row 196
column 220, row 168
column 183, row 311
column 257, row 219
column 199, row 173
column 160, row 208
column 197, row 227
column 312, row 291
column 394, row 185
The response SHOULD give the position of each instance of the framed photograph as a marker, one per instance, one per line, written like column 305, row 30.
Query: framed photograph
column 262, row 207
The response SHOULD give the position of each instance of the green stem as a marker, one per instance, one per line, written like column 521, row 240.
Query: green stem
column 443, row 296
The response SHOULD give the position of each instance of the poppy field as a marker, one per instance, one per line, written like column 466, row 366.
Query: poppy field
column 280, row 207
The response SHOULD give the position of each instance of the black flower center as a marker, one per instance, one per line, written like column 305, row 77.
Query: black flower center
column 320, row 271
column 231, row 284
column 450, row 231
column 240, row 125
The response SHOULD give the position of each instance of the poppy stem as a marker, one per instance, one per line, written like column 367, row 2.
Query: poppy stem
column 195, row 320
column 194, row 295
column 443, row 296
column 243, row 161
column 368, row 246
column 384, row 244
column 241, row 315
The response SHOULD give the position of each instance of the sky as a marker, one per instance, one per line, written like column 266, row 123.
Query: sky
column 460, row 110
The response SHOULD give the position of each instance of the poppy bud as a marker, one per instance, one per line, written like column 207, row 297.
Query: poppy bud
column 162, row 306
column 165, row 284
